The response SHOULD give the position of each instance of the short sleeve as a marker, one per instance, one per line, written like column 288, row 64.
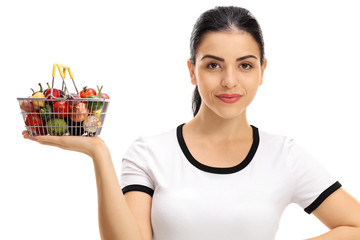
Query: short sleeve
column 312, row 183
column 135, row 174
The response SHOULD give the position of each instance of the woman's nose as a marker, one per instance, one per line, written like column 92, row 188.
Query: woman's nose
column 229, row 78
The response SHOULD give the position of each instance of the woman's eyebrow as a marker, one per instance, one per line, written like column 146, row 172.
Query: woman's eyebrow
column 223, row 60
column 245, row 57
column 214, row 57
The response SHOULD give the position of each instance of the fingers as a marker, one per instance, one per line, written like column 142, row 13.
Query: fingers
column 46, row 140
column 81, row 144
column 74, row 143
column 26, row 135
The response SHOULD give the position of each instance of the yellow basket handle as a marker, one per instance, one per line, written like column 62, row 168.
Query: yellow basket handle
column 62, row 70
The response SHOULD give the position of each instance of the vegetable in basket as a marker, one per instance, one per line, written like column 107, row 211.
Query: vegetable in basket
column 97, row 113
column 102, row 95
column 91, row 123
column 87, row 92
column 62, row 93
column 75, row 128
column 51, row 95
column 73, row 95
column 27, row 106
column 61, row 108
column 34, row 124
column 97, row 105
column 38, row 94
column 78, row 111
column 46, row 112
column 56, row 127
column 94, row 105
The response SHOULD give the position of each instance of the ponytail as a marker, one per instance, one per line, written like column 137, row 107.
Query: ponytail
column 196, row 101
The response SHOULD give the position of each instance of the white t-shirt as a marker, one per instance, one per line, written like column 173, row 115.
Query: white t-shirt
column 193, row 201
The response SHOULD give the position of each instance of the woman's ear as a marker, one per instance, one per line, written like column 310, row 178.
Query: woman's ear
column 262, row 71
column 191, row 72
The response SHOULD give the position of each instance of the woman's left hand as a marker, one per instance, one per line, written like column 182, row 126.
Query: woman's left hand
column 86, row 145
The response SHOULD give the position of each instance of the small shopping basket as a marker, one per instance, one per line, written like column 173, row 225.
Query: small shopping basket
column 61, row 113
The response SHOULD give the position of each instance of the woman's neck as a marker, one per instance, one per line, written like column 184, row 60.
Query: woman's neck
column 217, row 129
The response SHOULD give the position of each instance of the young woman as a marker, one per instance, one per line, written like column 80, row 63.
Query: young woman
column 217, row 176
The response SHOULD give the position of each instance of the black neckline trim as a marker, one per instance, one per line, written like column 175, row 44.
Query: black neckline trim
column 218, row 170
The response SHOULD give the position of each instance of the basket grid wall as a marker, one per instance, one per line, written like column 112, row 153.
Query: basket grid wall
column 63, row 116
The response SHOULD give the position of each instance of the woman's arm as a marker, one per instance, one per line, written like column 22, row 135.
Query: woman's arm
column 116, row 220
column 340, row 212
column 116, row 215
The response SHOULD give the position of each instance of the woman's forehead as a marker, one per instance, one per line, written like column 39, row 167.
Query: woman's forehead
column 228, row 43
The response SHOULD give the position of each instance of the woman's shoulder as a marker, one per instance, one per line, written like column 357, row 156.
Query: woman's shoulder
column 274, row 139
column 163, row 138
column 151, row 145
column 277, row 145
column 285, row 147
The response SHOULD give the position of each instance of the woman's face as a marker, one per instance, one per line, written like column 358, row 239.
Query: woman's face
column 227, row 72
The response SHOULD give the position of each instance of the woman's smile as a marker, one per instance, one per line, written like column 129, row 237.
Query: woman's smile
column 229, row 98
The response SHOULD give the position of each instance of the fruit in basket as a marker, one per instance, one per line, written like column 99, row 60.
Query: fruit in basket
column 91, row 123
column 38, row 94
column 51, row 93
column 78, row 111
column 56, row 127
column 61, row 108
column 34, row 124
column 27, row 106
column 87, row 91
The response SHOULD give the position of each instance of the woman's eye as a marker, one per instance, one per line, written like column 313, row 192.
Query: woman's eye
column 245, row 66
column 213, row 65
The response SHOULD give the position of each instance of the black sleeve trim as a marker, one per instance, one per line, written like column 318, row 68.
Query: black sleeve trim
column 322, row 197
column 136, row 187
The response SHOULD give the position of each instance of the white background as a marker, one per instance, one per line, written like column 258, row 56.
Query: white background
column 138, row 51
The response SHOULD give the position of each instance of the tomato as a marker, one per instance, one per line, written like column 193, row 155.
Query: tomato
column 34, row 124
column 87, row 91
column 61, row 109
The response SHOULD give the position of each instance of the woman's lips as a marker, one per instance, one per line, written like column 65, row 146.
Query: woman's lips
column 229, row 98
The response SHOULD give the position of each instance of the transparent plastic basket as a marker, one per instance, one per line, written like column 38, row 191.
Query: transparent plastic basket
column 69, row 115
